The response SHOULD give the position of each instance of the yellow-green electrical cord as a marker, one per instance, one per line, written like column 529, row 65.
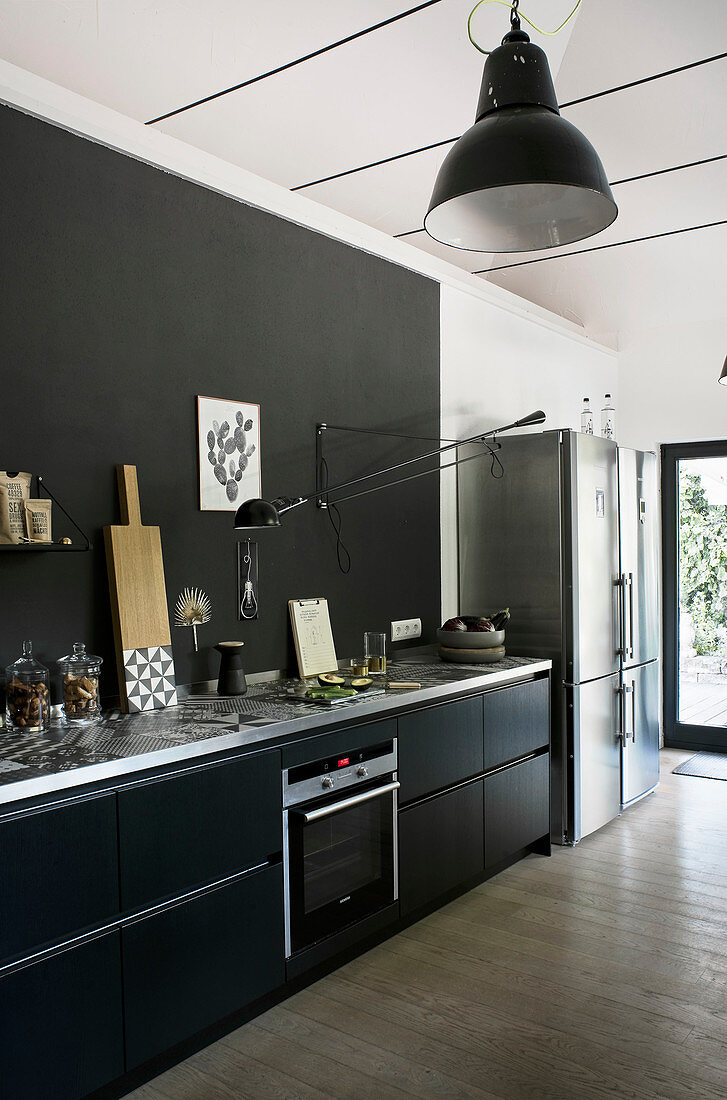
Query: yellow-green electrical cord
column 508, row 4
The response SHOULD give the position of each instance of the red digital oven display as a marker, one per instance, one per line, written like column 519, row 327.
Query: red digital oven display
column 343, row 762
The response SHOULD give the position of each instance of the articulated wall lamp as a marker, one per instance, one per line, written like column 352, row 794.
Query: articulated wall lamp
column 723, row 375
column 256, row 513
column 522, row 178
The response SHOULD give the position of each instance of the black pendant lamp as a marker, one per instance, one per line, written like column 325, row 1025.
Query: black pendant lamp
column 723, row 375
column 522, row 178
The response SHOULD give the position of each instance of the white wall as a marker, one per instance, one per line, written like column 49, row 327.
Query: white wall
column 668, row 384
column 497, row 367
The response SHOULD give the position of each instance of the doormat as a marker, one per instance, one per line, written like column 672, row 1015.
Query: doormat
column 708, row 765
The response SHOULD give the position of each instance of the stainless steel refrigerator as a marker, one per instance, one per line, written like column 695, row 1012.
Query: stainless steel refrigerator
column 567, row 538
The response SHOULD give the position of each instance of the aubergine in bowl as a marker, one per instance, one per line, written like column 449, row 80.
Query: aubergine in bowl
column 470, row 632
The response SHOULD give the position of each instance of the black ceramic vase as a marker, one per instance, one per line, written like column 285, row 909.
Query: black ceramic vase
column 232, row 675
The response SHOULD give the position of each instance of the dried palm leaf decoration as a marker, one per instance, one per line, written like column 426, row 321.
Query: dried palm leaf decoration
column 192, row 609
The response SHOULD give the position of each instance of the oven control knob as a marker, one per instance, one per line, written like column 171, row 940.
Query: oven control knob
column 361, row 772
column 326, row 782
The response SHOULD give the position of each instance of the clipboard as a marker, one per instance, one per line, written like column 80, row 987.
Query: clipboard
column 312, row 636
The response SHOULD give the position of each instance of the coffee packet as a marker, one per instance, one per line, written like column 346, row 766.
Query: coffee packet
column 37, row 520
column 14, row 490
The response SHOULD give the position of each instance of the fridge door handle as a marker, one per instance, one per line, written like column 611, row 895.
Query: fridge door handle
column 633, row 712
column 630, row 582
column 621, row 585
column 626, row 706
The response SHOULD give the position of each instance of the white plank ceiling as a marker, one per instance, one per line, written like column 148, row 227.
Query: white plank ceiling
column 413, row 83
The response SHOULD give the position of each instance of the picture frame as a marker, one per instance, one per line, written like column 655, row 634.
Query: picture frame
column 228, row 444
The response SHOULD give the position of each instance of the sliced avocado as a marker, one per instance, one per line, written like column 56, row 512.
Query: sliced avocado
column 334, row 692
column 361, row 683
column 331, row 679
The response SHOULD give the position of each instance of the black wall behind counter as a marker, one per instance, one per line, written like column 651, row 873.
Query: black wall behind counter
column 125, row 292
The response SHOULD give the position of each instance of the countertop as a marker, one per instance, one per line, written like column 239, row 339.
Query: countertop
column 118, row 745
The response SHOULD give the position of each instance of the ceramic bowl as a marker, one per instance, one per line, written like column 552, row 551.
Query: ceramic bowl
column 470, row 639
column 472, row 656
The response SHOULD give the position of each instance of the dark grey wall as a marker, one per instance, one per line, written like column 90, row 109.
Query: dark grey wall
column 125, row 292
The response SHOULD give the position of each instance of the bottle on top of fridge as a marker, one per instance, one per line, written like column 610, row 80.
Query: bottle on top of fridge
column 587, row 417
column 608, row 419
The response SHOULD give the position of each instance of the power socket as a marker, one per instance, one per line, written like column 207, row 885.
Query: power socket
column 405, row 629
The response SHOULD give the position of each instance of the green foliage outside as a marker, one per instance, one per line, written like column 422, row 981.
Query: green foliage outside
column 703, row 565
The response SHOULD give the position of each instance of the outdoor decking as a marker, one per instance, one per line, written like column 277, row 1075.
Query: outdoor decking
column 703, row 704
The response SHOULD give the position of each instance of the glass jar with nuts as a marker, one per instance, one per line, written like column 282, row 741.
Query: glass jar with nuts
column 80, row 671
column 27, row 694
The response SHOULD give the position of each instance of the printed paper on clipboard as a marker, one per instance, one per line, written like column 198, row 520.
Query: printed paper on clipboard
column 313, row 636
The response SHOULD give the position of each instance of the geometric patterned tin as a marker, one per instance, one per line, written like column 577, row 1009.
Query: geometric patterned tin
column 150, row 678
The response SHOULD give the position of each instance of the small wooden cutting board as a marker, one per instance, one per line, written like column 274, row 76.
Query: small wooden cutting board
column 139, row 605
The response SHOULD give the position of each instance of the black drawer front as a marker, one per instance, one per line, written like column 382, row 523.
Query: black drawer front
column 198, row 827
column 439, row 747
column 517, row 808
column 517, row 721
column 440, row 845
column 342, row 741
column 62, row 1032
column 58, row 873
column 200, row 961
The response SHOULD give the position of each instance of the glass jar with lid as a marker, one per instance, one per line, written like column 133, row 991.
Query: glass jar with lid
column 27, row 694
column 81, row 673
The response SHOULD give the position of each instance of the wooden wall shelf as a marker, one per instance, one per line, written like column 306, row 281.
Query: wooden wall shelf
column 42, row 547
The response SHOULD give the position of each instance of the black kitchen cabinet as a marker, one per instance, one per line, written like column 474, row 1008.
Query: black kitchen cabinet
column 58, row 873
column 517, row 801
column 439, row 746
column 517, row 721
column 61, row 1028
column 198, row 826
column 178, row 877
column 441, row 845
column 201, row 960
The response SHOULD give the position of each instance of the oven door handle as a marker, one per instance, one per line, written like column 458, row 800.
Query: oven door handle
column 326, row 811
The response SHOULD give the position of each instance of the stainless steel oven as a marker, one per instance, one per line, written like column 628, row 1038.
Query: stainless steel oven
column 339, row 842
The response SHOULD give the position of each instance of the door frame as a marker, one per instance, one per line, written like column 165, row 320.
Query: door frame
column 679, row 735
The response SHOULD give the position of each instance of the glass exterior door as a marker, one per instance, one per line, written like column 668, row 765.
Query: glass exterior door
column 694, row 493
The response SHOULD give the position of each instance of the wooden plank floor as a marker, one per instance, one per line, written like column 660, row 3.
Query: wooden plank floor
column 601, row 972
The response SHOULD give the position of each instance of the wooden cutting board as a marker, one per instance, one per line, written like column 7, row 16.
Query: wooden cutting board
column 139, row 605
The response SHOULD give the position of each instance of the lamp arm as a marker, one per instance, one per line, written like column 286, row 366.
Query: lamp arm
column 422, row 473
column 481, row 437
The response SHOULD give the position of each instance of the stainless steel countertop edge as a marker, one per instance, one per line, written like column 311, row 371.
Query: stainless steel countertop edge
column 272, row 735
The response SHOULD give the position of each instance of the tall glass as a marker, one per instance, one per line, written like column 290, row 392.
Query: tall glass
column 375, row 651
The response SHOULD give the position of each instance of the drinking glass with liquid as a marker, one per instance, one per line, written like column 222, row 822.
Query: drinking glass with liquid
column 375, row 650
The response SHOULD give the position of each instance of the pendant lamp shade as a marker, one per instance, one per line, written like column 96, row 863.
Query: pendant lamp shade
column 723, row 375
column 522, row 178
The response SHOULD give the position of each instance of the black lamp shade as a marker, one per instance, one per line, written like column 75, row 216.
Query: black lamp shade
column 723, row 375
column 522, row 178
column 256, row 513
column 536, row 417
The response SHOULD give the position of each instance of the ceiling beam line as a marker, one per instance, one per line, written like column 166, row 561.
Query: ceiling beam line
column 645, row 80
column 374, row 164
column 617, row 183
column 599, row 247
column 451, row 141
column 297, row 61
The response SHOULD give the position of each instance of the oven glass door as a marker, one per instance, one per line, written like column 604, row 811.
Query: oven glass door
column 342, row 864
